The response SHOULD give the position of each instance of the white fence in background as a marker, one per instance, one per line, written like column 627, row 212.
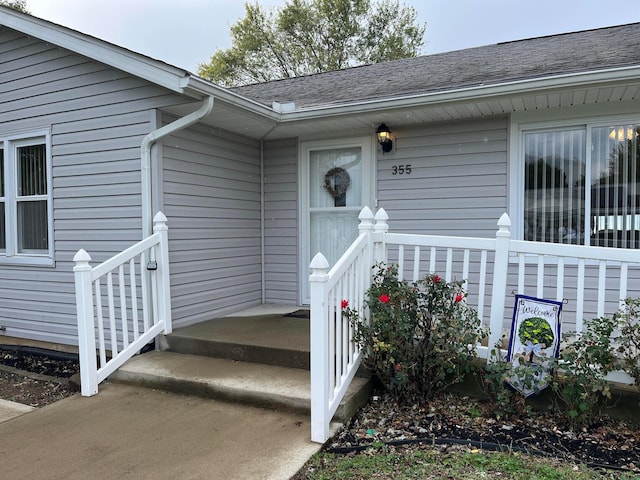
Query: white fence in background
column 593, row 281
column 116, row 318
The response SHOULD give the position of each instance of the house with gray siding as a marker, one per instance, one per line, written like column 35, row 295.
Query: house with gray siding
column 255, row 180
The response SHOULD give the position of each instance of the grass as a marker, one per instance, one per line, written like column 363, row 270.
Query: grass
column 428, row 463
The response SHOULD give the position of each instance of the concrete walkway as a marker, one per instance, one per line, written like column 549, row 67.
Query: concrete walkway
column 129, row 432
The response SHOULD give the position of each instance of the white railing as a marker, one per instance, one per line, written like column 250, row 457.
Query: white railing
column 117, row 318
column 592, row 281
column 335, row 358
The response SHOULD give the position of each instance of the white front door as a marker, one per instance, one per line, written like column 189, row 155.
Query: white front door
column 336, row 182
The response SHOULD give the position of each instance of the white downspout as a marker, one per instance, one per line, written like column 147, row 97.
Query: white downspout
column 262, row 229
column 145, row 157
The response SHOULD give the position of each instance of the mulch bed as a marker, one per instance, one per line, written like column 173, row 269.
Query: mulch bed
column 35, row 377
column 453, row 419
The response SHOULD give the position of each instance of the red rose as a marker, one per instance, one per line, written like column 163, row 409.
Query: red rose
column 459, row 298
column 344, row 304
column 436, row 278
column 398, row 368
column 384, row 298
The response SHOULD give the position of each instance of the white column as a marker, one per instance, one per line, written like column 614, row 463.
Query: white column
column 162, row 274
column 380, row 230
column 319, row 349
column 86, row 324
column 499, row 290
column 366, row 226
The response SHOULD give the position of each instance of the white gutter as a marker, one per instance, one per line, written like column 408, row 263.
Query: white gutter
column 145, row 157
column 514, row 87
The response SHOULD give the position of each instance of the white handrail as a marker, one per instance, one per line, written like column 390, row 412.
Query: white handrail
column 126, row 336
column 534, row 266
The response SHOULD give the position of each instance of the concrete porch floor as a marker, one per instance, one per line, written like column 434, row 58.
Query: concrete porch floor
column 258, row 357
column 180, row 428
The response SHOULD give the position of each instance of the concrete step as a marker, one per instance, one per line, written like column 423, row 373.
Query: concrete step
column 266, row 339
column 247, row 383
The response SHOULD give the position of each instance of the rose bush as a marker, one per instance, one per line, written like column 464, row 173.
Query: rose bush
column 419, row 337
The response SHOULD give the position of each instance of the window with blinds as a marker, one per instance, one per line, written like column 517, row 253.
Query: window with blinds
column 581, row 186
column 25, row 200
column 3, row 229
column 31, row 198
column 615, row 194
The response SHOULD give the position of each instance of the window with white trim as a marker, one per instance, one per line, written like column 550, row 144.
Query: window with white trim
column 582, row 185
column 25, row 200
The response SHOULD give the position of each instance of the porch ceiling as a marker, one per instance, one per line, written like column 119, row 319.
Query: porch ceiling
column 437, row 107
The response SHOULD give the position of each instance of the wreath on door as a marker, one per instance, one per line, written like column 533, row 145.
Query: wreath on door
column 337, row 182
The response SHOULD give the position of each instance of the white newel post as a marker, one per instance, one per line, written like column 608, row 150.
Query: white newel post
column 162, row 279
column 380, row 229
column 86, row 324
column 319, row 349
column 499, row 290
column 366, row 226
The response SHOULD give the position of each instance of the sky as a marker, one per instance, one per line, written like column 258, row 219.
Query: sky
column 185, row 33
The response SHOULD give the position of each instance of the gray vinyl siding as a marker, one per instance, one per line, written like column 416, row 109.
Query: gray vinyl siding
column 458, row 180
column 97, row 117
column 457, row 186
column 281, row 221
column 211, row 195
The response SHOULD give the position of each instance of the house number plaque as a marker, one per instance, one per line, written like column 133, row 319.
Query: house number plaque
column 401, row 169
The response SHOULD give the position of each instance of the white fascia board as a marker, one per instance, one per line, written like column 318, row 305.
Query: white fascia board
column 157, row 72
column 529, row 86
column 204, row 87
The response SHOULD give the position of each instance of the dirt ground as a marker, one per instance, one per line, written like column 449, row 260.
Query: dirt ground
column 34, row 378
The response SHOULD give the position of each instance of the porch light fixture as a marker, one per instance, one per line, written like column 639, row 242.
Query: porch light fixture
column 384, row 138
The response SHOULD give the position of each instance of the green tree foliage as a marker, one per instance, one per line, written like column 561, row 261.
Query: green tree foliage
column 20, row 5
column 313, row 36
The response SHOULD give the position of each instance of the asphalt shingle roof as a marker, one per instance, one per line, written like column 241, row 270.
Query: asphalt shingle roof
column 584, row 51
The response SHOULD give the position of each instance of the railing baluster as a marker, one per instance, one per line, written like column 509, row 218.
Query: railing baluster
column 540, row 279
column 134, row 298
column 448, row 269
column 465, row 269
column 353, row 295
column 416, row 263
column 144, row 284
column 101, row 345
column 560, row 280
column 432, row 260
column 112, row 316
column 623, row 284
column 580, row 296
column 481, row 284
column 602, row 284
column 345, row 337
column 123, row 308
column 333, row 340
column 154, row 299
column 401, row 262
column 521, row 273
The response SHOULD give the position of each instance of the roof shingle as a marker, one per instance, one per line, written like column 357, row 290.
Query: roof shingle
column 585, row 51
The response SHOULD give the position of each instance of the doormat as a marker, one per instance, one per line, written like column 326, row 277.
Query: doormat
column 534, row 343
column 299, row 314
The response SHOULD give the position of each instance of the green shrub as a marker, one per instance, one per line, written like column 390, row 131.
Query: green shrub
column 627, row 342
column 579, row 377
column 496, row 378
column 419, row 337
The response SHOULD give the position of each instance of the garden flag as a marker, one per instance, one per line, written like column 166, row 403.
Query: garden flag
column 535, row 341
